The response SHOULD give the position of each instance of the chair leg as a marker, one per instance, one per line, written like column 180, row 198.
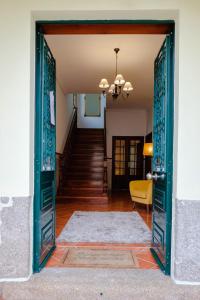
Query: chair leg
column 133, row 204
column 147, row 208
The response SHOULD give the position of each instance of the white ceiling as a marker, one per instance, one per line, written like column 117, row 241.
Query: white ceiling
column 82, row 60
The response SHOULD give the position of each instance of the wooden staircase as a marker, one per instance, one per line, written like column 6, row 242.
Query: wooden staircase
column 83, row 176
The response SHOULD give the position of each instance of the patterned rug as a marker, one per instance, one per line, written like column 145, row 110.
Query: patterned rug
column 105, row 227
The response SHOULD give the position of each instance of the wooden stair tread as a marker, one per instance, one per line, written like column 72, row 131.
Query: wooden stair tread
column 83, row 176
column 103, row 197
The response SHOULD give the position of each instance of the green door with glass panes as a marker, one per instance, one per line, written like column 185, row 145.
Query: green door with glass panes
column 127, row 160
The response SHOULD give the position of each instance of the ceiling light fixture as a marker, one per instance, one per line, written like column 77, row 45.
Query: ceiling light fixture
column 119, row 84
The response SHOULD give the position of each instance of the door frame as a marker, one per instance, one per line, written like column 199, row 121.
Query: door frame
column 98, row 27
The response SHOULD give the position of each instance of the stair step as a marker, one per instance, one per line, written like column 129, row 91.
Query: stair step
column 79, row 175
column 103, row 197
column 86, row 151
column 82, row 183
column 87, row 145
column 82, row 188
column 83, row 177
column 75, row 163
column 89, row 138
column 81, row 193
column 84, row 168
column 89, row 156
column 89, row 131
column 88, row 148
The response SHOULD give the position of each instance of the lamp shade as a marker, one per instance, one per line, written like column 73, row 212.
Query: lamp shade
column 127, row 87
column 111, row 88
column 148, row 149
column 104, row 83
column 119, row 80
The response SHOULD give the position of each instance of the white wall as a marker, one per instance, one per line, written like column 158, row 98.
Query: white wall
column 123, row 122
column 89, row 122
column 64, row 113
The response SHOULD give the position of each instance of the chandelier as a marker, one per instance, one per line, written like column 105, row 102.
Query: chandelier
column 119, row 85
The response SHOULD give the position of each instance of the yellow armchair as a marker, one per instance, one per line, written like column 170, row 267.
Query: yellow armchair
column 141, row 192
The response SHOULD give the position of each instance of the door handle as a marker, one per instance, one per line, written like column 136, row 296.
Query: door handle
column 155, row 176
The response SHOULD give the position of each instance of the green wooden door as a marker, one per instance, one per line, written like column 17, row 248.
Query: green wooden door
column 163, row 155
column 45, row 158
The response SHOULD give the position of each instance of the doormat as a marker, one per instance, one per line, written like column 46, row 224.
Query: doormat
column 105, row 227
column 99, row 258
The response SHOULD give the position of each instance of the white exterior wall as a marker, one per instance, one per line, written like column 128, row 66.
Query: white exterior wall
column 17, row 78
column 17, row 75
column 89, row 122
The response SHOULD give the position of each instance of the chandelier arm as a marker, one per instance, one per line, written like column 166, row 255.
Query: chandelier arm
column 116, row 65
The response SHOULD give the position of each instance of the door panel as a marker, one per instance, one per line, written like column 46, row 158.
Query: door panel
column 163, row 155
column 45, row 155
column 127, row 161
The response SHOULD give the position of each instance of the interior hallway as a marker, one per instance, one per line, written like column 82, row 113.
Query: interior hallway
column 118, row 201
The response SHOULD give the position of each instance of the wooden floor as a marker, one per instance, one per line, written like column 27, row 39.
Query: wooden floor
column 118, row 201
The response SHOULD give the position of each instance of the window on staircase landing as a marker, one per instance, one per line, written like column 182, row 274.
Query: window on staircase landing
column 127, row 160
column 92, row 105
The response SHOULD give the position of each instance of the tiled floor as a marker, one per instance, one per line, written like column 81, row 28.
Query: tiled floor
column 120, row 201
column 140, row 252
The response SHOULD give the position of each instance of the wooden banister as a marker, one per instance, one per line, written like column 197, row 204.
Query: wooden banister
column 105, row 155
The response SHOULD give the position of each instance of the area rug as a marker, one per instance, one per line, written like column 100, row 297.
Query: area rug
column 99, row 258
column 105, row 227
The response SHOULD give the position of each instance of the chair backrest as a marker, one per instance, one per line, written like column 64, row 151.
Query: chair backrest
column 141, row 184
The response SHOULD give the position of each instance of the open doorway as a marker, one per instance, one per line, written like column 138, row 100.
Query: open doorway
column 88, row 163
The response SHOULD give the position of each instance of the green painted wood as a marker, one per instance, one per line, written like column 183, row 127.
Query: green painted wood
column 45, row 155
column 163, row 258
column 163, row 154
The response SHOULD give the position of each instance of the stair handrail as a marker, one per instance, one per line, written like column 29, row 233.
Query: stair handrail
column 105, row 179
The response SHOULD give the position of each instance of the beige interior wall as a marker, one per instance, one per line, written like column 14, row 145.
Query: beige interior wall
column 149, row 120
column 64, row 114
column 123, row 122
